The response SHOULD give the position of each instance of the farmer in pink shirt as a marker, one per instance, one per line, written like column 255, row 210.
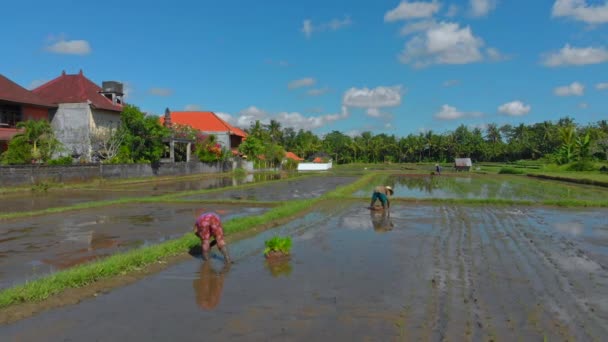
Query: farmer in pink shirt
column 207, row 225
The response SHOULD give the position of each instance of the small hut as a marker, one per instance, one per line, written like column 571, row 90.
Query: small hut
column 462, row 164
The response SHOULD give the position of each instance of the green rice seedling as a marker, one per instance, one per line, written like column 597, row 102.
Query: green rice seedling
column 510, row 171
column 278, row 244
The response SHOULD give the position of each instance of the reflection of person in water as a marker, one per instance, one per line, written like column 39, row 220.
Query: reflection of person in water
column 209, row 285
column 381, row 221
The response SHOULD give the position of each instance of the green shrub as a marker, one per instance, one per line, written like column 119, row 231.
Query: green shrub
column 290, row 165
column 278, row 244
column 583, row 165
column 239, row 173
column 67, row 160
column 510, row 171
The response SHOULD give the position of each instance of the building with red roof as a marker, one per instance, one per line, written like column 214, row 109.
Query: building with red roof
column 18, row 104
column 85, row 111
column 293, row 156
column 228, row 136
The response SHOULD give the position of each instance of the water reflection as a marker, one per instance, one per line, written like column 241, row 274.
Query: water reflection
column 209, row 285
column 381, row 220
column 480, row 187
column 279, row 266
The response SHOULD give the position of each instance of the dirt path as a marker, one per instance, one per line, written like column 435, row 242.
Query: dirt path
column 440, row 272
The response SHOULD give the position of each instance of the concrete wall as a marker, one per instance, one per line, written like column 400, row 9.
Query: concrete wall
column 222, row 138
column 71, row 125
column 32, row 174
column 104, row 119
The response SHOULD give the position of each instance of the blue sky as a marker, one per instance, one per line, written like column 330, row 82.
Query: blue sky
column 395, row 67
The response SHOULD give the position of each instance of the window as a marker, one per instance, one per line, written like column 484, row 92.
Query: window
column 9, row 115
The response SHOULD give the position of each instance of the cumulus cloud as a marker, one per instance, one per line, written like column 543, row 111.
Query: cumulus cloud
column 417, row 26
column 480, row 8
column 601, row 86
column 452, row 11
column 308, row 28
column 582, row 11
column 569, row 55
column 444, row 43
column 583, row 105
column 574, row 89
column 303, row 82
column 373, row 98
column 412, row 10
column 318, row 91
column 192, row 108
column 515, row 108
column 299, row 121
column 451, row 113
column 495, row 55
column 70, row 47
column 160, row 92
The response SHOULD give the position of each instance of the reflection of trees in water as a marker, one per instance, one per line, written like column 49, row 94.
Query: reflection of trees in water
column 209, row 285
column 279, row 266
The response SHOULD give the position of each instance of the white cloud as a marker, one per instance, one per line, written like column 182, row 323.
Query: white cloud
column 70, row 47
column 480, row 8
column 308, row 28
column 515, row 108
column 451, row 83
column 226, row 117
column 418, row 26
column 581, row 11
column 410, row 10
column 318, row 91
column 574, row 89
column 374, row 112
column 279, row 63
column 303, row 82
column 299, row 121
column 601, row 86
column 160, row 92
column 576, row 56
column 373, row 98
column 452, row 11
column 583, row 105
column 445, row 43
column 192, row 108
column 451, row 113
column 495, row 55
column 36, row 83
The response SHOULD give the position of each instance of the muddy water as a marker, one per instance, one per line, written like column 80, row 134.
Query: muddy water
column 17, row 202
column 484, row 187
column 309, row 187
column 425, row 273
column 35, row 246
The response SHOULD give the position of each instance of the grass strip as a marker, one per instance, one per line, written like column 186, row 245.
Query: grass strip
column 122, row 263
column 585, row 181
column 500, row 201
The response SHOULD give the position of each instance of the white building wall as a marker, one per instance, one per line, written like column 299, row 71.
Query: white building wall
column 104, row 119
column 223, row 138
column 71, row 124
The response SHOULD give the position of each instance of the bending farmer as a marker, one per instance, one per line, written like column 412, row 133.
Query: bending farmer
column 207, row 225
column 382, row 193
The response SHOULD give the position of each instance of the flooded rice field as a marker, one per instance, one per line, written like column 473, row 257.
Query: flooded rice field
column 486, row 187
column 31, row 247
column 28, row 201
column 427, row 272
column 303, row 188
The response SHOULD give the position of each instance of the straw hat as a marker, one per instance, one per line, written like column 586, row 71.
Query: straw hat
column 389, row 189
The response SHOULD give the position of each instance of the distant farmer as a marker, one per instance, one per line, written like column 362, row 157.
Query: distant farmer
column 207, row 225
column 382, row 193
column 438, row 169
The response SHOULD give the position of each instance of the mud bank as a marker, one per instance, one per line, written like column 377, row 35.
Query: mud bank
column 33, row 247
column 425, row 272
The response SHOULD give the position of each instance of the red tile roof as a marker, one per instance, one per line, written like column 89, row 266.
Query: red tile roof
column 75, row 89
column 204, row 121
column 293, row 156
column 12, row 92
column 7, row 133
